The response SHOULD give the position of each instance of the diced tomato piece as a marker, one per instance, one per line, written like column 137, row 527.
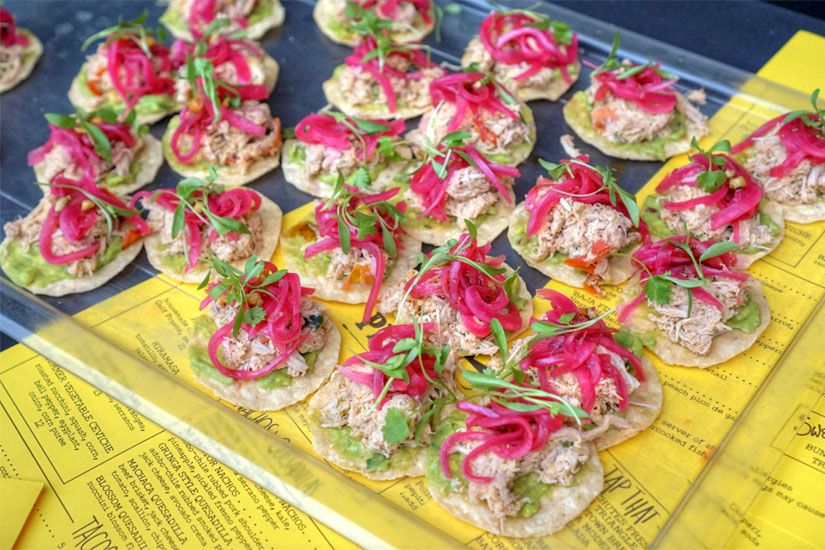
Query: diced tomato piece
column 598, row 116
column 130, row 237
column 360, row 274
column 93, row 87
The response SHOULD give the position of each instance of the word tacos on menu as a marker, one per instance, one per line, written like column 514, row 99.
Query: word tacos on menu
column 689, row 305
column 461, row 289
column 632, row 111
column 237, row 62
column 77, row 238
column 264, row 343
column 131, row 69
column 454, row 184
column 504, row 459
column 119, row 156
column 223, row 125
column 383, row 80
column 187, row 19
column 786, row 157
column 200, row 219
column 528, row 52
column 375, row 414
column 351, row 246
column 19, row 51
column 498, row 125
column 714, row 197
column 580, row 228
column 328, row 142
column 345, row 21
column 573, row 353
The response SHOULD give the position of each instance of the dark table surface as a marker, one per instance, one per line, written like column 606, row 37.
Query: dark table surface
column 741, row 34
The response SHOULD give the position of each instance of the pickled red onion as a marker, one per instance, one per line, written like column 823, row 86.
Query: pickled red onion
column 509, row 39
column 8, row 32
column 323, row 129
column 463, row 91
column 734, row 205
column 478, row 298
column 801, row 142
column 647, row 88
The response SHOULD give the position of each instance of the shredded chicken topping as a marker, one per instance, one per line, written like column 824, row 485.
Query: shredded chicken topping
column 500, row 132
column 696, row 331
column 805, row 184
column 556, row 464
column 227, row 145
column 574, row 228
column 697, row 220
column 361, row 88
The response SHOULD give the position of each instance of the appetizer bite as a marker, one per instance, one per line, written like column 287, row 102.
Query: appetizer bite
column 578, row 227
column 351, row 245
column 119, row 156
column 499, row 127
column 453, row 185
column 575, row 355
column 373, row 416
column 528, row 52
column 129, row 70
column 344, row 21
column 201, row 219
column 383, row 80
column 715, row 198
column 632, row 111
column 461, row 289
column 237, row 62
column 19, row 52
column 77, row 238
column 264, row 343
column 186, row 19
column 327, row 143
column 689, row 305
column 504, row 460
column 786, row 157
column 223, row 125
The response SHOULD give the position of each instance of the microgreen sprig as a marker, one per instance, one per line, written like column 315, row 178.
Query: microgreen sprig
column 359, row 127
column 561, row 31
column 129, row 29
column 490, row 77
column 612, row 63
column 813, row 119
column 366, row 219
column 108, row 209
column 712, row 179
column 658, row 288
column 198, row 204
column 86, row 122
column 201, row 67
column 240, row 287
column 609, row 183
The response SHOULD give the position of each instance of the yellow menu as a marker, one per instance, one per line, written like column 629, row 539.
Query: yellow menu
column 113, row 479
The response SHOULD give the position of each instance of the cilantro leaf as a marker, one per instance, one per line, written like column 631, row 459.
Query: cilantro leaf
column 395, row 427
column 717, row 249
column 657, row 289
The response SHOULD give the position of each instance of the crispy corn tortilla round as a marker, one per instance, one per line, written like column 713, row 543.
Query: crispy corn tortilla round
column 33, row 53
column 724, row 347
column 253, row 31
column 645, row 406
column 558, row 506
column 486, row 231
column 325, row 19
column 803, row 213
column 330, row 289
column 552, row 92
column 247, row 393
column 295, row 174
column 150, row 159
column 227, row 175
column 334, row 95
column 579, row 120
column 325, row 448
column 271, row 216
column 619, row 268
column 78, row 284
